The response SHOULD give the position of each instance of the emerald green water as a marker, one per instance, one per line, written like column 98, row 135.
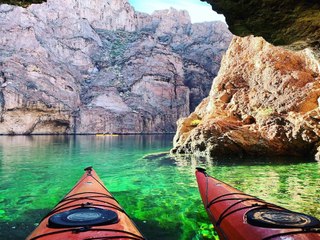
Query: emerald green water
column 158, row 191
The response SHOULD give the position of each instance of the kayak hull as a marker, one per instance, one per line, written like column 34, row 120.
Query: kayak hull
column 239, row 216
column 88, row 211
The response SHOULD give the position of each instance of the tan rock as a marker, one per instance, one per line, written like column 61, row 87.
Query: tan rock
column 273, row 107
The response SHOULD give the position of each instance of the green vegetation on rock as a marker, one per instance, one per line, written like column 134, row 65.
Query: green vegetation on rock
column 24, row 3
column 195, row 122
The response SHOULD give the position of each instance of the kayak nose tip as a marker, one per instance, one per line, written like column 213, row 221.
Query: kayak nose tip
column 88, row 168
column 200, row 169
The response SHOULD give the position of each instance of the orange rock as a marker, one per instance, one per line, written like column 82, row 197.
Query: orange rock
column 272, row 109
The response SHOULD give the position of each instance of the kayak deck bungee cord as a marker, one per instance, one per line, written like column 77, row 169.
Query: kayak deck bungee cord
column 88, row 211
column 239, row 216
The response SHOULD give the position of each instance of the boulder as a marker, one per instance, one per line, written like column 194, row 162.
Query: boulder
column 264, row 101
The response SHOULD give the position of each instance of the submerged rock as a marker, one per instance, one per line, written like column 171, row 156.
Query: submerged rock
column 264, row 101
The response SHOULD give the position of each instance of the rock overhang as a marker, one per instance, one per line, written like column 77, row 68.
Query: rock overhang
column 290, row 23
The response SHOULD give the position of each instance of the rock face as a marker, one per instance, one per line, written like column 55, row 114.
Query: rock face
column 265, row 100
column 97, row 66
column 292, row 23
column 110, row 15
column 139, row 88
column 200, row 45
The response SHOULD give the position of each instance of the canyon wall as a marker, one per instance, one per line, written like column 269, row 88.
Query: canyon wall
column 263, row 102
column 98, row 66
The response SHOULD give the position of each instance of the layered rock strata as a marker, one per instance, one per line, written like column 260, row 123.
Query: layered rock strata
column 98, row 66
column 264, row 101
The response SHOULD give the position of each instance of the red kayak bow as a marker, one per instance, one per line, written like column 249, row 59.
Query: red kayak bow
column 239, row 216
column 88, row 211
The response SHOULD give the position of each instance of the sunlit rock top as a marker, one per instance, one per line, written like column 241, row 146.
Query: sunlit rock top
column 104, row 14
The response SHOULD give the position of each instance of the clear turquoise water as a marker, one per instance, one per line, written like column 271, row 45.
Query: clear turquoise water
column 158, row 191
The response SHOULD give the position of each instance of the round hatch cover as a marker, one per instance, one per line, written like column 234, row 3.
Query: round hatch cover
column 79, row 217
column 277, row 218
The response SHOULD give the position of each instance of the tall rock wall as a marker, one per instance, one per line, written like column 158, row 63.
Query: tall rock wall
column 97, row 66
column 200, row 45
column 264, row 101
column 106, row 14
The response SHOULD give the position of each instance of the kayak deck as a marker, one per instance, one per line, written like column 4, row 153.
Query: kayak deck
column 88, row 211
column 238, row 216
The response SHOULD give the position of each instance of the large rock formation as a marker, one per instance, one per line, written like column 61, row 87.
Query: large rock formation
column 294, row 24
column 200, row 45
column 288, row 23
column 98, row 66
column 265, row 100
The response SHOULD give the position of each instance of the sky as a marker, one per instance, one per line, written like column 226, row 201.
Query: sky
column 198, row 11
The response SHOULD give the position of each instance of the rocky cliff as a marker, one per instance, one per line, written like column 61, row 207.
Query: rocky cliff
column 264, row 101
column 98, row 66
